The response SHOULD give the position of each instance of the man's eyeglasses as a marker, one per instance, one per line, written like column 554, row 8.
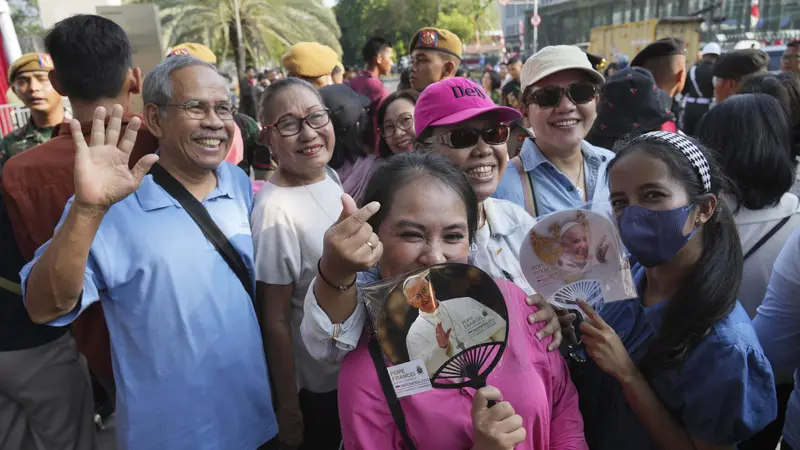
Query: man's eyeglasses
column 793, row 56
column 550, row 96
column 468, row 137
column 404, row 123
column 291, row 125
column 199, row 110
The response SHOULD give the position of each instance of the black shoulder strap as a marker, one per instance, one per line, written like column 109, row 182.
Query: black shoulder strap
column 389, row 393
column 200, row 215
column 766, row 237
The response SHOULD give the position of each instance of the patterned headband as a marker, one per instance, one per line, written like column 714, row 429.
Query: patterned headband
column 695, row 156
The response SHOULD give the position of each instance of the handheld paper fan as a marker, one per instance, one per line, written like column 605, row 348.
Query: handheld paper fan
column 589, row 291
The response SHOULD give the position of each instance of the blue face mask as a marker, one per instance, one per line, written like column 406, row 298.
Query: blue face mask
column 654, row 237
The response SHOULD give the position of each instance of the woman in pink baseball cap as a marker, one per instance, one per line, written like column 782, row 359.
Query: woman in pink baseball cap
column 458, row 120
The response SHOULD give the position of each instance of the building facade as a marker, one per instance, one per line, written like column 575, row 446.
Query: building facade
column 570, row 21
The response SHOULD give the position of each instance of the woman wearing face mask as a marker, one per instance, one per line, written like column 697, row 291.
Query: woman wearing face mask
column 396, row 123
column 421, row 211
column 290, row 217
column 352, row 160
column 679, row 367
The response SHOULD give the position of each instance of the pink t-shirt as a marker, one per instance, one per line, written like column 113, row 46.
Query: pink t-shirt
column 236, row 153
column 368, row 85
column 536, row 383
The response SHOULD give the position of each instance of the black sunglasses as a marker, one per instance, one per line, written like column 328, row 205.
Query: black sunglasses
column 468, row 137
column 550, row 96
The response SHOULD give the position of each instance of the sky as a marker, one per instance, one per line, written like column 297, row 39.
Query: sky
column 329, row 3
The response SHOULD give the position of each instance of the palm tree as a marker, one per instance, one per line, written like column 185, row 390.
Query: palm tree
column 268, row 27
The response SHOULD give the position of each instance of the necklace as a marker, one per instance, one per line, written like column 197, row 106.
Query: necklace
column 578, row 180
column 325, row 211
column 314, row 197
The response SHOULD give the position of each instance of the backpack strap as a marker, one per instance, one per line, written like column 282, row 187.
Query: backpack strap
column 766, row 237
column 528, row 190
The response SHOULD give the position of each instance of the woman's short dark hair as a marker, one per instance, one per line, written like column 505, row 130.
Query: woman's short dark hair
column 785, row 87
column 496, row 82
column 383, row 148
column 405, row 168
column 752, row 136
column 278, row 86
column 708, row 290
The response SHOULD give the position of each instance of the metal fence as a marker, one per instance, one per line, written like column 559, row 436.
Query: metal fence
column 12, row 117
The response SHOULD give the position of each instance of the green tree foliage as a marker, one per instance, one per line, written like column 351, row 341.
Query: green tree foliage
column 25, row 16
column 269, row 27
column 398, row 20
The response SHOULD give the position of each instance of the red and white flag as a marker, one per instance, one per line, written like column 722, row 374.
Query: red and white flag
column 755, row 15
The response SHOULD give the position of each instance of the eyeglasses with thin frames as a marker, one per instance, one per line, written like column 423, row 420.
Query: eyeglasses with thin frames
column 404, row 123
column 199, row 110
column 291, row 125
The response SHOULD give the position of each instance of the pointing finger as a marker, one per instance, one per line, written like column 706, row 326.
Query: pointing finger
column 348, row 208
column 595, row 318
column 355, row 222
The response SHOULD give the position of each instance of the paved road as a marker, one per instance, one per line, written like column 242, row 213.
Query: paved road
column 391, row 85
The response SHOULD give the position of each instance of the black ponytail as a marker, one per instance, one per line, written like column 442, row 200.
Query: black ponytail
column 707, row 294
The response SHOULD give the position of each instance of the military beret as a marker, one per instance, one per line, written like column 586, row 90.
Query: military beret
column 30, row 62
column 598, row 62
column 437, row 39
column 740, row 63
column 310, row 60
column 659, row 49
column 194, row 50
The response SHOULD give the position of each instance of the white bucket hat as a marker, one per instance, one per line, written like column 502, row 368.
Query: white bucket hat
column 557, row 58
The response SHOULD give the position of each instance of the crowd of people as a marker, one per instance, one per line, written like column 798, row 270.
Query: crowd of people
column 199, row 266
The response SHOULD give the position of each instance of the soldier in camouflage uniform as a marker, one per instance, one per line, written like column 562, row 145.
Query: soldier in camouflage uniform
column 28, row 76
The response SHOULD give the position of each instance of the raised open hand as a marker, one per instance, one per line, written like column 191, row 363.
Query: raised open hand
column 442, row 338
column 102, row 177
column 602, row 249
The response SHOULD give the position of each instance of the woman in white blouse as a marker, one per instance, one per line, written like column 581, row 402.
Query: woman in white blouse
column 290, row 217
column 752, row 135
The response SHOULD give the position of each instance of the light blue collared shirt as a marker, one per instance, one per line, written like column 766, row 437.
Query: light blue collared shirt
column 554, row 191
column 186, row 346
column 777, row 327
column 724, row 392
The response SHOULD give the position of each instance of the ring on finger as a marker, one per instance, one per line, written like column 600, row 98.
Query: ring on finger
column 369, row 244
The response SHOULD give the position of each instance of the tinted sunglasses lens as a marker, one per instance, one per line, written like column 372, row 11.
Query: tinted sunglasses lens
column 464, row 138
column 581, row 93
column 547, row 97
column 496, row 135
